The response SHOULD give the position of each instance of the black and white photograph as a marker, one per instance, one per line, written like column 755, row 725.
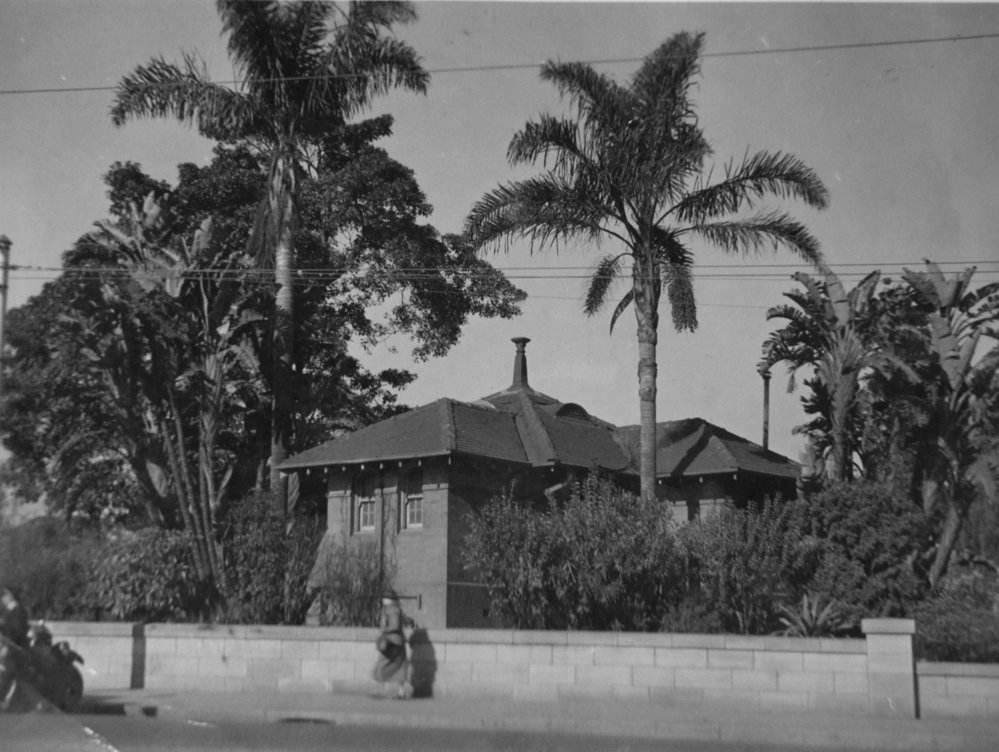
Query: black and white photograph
column 498, row 376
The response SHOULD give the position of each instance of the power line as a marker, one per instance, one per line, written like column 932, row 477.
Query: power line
column 320, row 276
column 871, row 265
column 610, row 61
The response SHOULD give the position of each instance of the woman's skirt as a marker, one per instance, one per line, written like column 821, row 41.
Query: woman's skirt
column 391, row 666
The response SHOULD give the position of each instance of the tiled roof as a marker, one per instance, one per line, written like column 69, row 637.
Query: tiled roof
column 442, row 427
column 696, row 447
column 522, row 425
column 517, row 426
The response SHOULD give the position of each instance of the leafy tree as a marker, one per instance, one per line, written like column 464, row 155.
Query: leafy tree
column 63, row 446
column 166, row 336
column 603, row 559
column 629, row 165
column 305, row 68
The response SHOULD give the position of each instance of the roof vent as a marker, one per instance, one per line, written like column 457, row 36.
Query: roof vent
column 520, row 363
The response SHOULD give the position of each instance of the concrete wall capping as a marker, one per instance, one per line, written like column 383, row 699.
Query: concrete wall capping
column 679, row 640
column 888, row 626
column 927, row 668
column 798, row 644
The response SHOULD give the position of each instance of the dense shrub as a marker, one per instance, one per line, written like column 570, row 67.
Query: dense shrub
column 148, row 575
column 693, row 614
column 870, row 537
column 267, row 564
column 349, row 581
column 960, row 622
column 51, row 564
column 603, row 559
column 747, row 562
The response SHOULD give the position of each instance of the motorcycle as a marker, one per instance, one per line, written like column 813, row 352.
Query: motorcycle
column 46, row 666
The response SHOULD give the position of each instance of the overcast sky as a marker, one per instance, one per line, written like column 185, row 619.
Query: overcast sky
column 904, row 135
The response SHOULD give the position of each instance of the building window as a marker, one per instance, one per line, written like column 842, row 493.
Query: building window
column 411, row 512
column 365, row 504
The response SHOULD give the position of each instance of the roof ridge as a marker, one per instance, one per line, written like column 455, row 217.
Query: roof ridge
column 720, row 444
column 537, row 433
column 450, row 431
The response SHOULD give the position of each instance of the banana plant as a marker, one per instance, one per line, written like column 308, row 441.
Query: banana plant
column 957, row 467
column 192, row 344
column 827, row 332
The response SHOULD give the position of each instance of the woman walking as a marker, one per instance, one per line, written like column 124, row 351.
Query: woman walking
column 392, row 667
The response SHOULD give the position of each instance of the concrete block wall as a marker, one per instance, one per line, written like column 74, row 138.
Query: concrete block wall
column 113, row 654
column 947, row 690
column 245, row 658
column 875, row 675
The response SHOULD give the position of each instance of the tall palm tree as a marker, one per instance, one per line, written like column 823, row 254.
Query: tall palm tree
column 628, row 165
column 304, row 69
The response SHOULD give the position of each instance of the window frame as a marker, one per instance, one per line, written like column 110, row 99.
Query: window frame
column 365, row 504
column 410, row 501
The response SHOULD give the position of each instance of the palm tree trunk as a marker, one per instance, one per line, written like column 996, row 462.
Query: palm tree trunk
column 646, row 312
column 281, row 197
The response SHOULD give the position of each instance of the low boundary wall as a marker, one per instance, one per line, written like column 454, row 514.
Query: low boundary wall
column 874, row 675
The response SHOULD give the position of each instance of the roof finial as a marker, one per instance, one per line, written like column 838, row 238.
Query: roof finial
column 520, row 363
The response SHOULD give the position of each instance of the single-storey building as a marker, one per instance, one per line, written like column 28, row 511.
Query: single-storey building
column 408, row 484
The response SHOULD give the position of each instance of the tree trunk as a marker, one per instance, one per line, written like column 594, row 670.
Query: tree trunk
column 948, row 539
column 200, row 564
column 282, row 212
column 646, row 312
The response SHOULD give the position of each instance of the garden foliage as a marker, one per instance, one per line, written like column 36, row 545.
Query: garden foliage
column 603, row 559
column 148, row 575
column 871, row 539
column 747, row 561
column 960, row 621
column 267, row 564
column 349, row 583
column 50, row 564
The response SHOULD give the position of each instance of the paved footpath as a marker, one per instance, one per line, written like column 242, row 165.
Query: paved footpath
column 714, row 722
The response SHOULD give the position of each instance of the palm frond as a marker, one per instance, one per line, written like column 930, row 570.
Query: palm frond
column 602, row 104
column 600, row 281
column 621, row 307
column 780, row 175
column 667, row 74
column 773, row 229
column 160, row 89
column 545, row 136
column 261, row 38
column 359, row 68
column 543, row 210
column 680, row 289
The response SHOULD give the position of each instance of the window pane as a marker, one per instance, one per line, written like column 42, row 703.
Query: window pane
column 366, row 515
column 414, row 511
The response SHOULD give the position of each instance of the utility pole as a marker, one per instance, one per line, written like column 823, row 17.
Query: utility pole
column 5, row 253
column 765, row 373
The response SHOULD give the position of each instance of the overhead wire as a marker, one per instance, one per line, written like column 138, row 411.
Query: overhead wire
column 595, row 62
